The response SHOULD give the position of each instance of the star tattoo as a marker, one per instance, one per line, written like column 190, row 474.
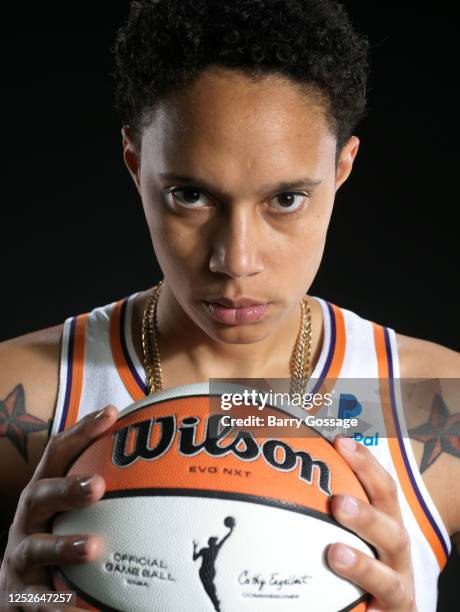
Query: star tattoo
column 15, row 423
column 440, row 434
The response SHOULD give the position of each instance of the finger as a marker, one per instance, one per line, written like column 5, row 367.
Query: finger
column 372, row 576
column 65, row 447
column 42, row 499
column 381, row 530
column 42, row 549
column 377, row 482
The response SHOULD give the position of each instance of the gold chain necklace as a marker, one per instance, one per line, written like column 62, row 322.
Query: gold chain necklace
column 299, row 363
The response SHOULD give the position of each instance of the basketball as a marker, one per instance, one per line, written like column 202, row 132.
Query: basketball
column 202, row 517
column 229, row 521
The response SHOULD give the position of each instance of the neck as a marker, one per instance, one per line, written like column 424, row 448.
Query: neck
column 189, row 355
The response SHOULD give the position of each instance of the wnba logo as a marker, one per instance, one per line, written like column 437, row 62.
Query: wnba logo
column 208, row 556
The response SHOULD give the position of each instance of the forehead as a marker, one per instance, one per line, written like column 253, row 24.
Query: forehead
column 226, row 115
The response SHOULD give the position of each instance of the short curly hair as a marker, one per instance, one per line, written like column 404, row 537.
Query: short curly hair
column 164, row 44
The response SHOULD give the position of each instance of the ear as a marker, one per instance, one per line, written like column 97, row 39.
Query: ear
column 346, row 159
column 130, row 156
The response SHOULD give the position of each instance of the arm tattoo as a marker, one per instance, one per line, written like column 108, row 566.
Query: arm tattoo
column 15, row 423
column 440, row 434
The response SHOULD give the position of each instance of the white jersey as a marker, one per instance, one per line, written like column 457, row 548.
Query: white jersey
column 100, row 366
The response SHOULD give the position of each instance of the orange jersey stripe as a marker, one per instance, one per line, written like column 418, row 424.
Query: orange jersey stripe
column 340, row 344
column 361, row 607
column 396, row 452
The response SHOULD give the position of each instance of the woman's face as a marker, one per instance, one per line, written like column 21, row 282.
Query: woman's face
column 237, row 180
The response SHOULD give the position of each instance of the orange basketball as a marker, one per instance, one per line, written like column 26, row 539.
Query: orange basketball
column 199, row 516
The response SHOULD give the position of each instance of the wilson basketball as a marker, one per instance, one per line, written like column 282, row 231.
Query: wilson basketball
column 202, row 517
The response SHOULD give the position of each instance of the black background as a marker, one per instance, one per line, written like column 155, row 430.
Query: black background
column 72, row 232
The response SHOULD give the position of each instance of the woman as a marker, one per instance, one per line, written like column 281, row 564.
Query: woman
column 238, row 122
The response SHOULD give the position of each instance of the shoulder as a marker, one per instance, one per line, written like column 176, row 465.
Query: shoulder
column 40, row 338
column 32, row 360
column 424, row 359
column 430, row 384
column 29, row 379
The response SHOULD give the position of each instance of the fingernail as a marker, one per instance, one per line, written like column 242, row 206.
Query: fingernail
column 79, row 546
column 348, row 505
column 348, row 445
column 344, row 556
column 102, row 414
column 85, row 485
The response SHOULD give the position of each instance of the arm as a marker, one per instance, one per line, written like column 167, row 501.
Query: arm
column 431, row 400
column 389, row 579
column 195, row 554
column 31, row 548
column 33, row 479
column 224, row 538
column 29, row 369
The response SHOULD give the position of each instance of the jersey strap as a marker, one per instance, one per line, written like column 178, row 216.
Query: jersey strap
column 121, row 357
column 335, row 325
column 75, row 371
column 427, row 523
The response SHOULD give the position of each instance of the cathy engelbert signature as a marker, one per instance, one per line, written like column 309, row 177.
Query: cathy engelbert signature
column 273, row 580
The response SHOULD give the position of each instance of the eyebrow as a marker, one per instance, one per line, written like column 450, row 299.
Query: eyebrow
column 270, row 187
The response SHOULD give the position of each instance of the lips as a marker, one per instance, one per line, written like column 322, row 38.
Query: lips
column 242, row 302
column 236, row 312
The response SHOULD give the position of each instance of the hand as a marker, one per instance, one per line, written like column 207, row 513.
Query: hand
column 31, row 548
column 389, row 579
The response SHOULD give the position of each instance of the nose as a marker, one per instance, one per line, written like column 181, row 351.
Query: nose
column 236, row 248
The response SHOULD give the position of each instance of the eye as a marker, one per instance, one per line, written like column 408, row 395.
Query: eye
column 189, row 197
column 290, row 201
